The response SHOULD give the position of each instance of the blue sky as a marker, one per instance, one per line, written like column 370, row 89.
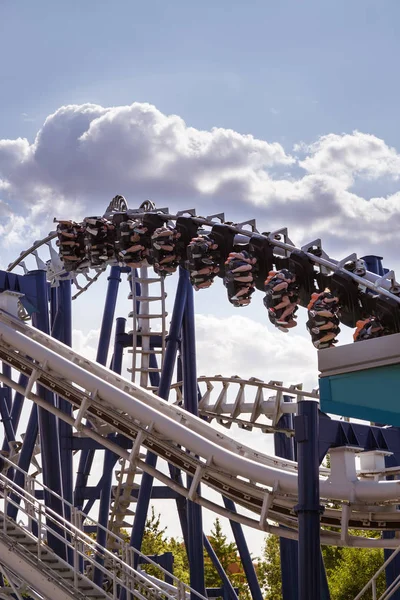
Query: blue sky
column 304, row 99
column 284, row 70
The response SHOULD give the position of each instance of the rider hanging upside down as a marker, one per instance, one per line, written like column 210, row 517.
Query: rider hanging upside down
column 368, row 329
column 281, row 299
column 323, row 319
column 202, row 261
column 239, row 277
column 71, row 242
column 163, row 250
column 99, row 240
column 133, row 244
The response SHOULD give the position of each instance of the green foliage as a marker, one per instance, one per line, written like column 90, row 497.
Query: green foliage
column 270, row 569
column 354, row 569
column 347, row 569
column 230, row 561
column 155, row 541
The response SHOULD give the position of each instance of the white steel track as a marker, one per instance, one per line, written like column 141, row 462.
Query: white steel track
column 265, row 486
column 281, row 242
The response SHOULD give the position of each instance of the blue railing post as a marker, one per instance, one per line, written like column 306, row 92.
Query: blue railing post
column 195, row 521
column 308, row 509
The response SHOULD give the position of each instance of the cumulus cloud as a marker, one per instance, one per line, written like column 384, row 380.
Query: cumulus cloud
column 356, row 154
column 84, row 154
column 88, row 149
column 85, row 344
column 250, row 349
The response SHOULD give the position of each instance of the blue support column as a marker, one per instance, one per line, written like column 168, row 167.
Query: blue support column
column 284, row 447
column 65, row 430
column 6, row 400
column 6, row 418
column 374, row 264
column 171, row 350
column 195, row 521
column 87, row 456
column 16, row 408
column 308, row 509
column 110, row 460
column 114, row 280
column 25, row 456
column 30, row 282
column 53, row 306
column 61, row 320
column 49, row 441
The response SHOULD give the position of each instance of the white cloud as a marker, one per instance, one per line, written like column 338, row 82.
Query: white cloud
column 83, row 155
column 238, row 345
column 82, row 149
column 85, row 345
column 348, row 155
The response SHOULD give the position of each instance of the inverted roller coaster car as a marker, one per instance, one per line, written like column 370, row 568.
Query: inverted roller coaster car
column 261, row 248
column 303, row 269
column 203, row 260
column 188, row 230
column 239, row 278
column 346, row 288
column 224, row 236
column 388, row 312
column 152, row 221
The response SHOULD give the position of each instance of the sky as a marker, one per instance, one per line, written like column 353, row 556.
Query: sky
column 283, row 111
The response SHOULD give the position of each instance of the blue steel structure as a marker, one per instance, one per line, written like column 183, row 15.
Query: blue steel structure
column 315, row 433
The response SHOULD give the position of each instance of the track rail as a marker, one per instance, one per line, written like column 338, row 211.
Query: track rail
column 386, row 285
column 187, row 442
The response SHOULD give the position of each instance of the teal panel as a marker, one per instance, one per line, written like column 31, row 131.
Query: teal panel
column 371, row 395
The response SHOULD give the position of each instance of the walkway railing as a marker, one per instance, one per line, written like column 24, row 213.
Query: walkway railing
column 372, row 583
column 83, row 552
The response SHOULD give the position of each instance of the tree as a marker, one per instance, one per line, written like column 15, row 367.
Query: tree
column 155, row 542
column 347, row 569
column 354, row 569
column 270, row 569
column 230, row 561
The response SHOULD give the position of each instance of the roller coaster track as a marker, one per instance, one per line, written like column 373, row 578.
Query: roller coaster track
column 386, row 285
column 231, row 400
column 258, row 483
column 53, row 275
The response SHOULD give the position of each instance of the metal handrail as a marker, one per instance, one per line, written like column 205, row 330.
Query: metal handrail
column 81, row 516
column 82, row 546
column 394, row 586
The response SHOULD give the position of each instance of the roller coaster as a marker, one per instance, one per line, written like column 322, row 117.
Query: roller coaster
column 160, row 424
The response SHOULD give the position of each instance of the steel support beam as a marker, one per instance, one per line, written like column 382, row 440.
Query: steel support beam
column 308, row 509
column 194, row 514
column 289, row 550
column 87, row 456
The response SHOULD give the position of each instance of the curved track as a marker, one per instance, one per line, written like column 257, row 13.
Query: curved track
column 265, row 486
